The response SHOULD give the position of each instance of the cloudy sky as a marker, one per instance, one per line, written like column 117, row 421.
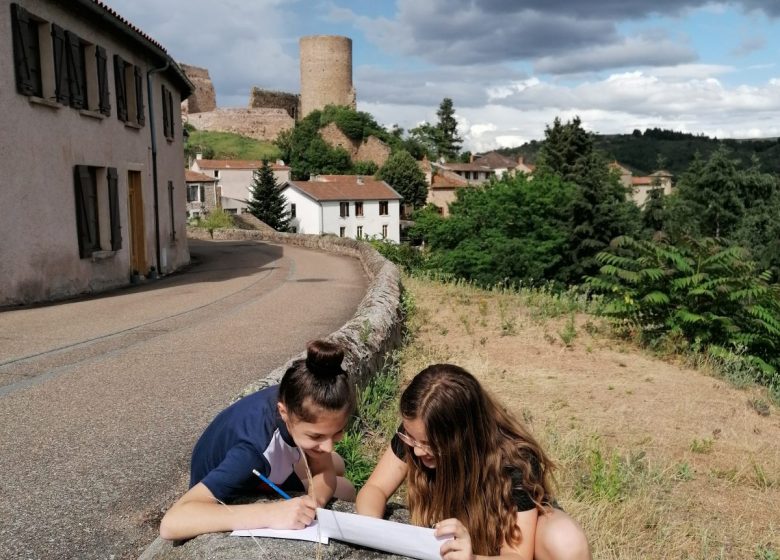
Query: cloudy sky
column 510, row 66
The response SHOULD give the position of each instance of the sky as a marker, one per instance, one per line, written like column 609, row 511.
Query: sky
column 510, row 66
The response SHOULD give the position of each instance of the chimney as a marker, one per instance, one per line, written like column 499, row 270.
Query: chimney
column 520, row 160
column 359, row 179
column 199, row 155
column 471, row 158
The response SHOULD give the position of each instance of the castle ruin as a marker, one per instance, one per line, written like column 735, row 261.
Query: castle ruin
column 326, row 79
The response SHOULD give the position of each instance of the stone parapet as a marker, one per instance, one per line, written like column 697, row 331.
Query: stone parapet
column 260, row 124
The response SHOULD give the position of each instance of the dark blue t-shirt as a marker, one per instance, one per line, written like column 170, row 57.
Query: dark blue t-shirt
column 247, row 435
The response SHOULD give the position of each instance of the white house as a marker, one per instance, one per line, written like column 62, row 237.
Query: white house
column 90, row 151
column 234, row 179
column 344, row 205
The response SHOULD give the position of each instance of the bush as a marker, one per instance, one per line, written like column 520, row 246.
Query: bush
column 216, row 219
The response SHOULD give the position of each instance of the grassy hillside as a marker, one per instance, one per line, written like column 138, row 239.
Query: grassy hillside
column 640, row 151
column 227, row 145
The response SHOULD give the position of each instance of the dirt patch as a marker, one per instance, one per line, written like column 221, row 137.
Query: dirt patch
column 656, row 460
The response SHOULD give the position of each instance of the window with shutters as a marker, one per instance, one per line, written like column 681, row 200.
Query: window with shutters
column 168, row 116
column 120, row 87
column 98, row 221
column 101, row 70
column 138, row 77
column 171, row 213
column 359, row 209
column 384, row 208
column 26, row 30
column 344, row 209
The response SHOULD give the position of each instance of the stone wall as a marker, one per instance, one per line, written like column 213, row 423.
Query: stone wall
column 370, row 149
column 267, row 99
column 204, row 98
column 261, row 124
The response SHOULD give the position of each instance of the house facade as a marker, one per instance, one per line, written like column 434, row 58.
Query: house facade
column 639, row 187
column 234, row 179
column 344, row 205
column 93, row 166
column 202, row 193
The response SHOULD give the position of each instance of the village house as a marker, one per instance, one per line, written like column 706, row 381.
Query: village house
column 202, row 193
column 234, row 179
column 344, row 205
column 503, row 165
column 639, row 187
column 93, row 167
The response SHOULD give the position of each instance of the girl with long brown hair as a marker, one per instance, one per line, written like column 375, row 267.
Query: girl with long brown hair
column 472, row 472
column 281, row 432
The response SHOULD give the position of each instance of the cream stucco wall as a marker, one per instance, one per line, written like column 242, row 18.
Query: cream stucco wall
column 236, row 183
column 41, row 142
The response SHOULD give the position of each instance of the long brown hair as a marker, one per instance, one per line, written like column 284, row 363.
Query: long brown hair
column 317, row 382
column 475, row 443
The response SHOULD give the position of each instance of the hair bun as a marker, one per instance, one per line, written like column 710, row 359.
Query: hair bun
column 323, row 359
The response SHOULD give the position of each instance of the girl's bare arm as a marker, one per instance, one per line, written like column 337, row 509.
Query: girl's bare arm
column 388, row 475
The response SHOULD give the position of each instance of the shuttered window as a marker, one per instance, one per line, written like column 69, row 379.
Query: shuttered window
column 121, row 88
column 171, row 210
column 104, row 103
column 86, row 210
column 60, row 50
column 113, row 210
column 168, row 120
column 170, row 115
column 139, row 96
column 27, row 52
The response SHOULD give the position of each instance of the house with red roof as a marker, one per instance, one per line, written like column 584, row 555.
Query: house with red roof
column 234, row 179
column 639, row 187
column 91, row 151
column 202, row 193
column 345, row 205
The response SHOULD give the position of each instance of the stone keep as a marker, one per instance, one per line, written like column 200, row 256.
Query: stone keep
column 326, row 72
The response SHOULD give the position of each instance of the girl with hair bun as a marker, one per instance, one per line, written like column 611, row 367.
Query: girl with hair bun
column 473, row 472
column 268, row 431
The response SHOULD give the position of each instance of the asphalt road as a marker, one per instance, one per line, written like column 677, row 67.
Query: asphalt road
column 102, row 399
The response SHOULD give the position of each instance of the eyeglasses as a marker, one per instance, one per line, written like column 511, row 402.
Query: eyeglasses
column 411, row 442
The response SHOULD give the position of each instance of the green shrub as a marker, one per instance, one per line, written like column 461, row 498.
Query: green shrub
column 216, row 219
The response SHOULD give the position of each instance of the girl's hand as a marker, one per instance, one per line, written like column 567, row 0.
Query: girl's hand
column 459, row 547
column 294, row 514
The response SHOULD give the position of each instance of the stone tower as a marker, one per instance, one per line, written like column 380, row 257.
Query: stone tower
column 326, row 72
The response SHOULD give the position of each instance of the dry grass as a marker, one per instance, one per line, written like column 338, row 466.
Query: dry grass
column 655, row 460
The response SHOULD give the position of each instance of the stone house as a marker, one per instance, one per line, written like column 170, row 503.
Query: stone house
column 344, row 205
column 202, row 193
column 503, row 165
column 91, row 152
column 443, row 189
column 640, row 186
column 234, row 179
column 472, row 172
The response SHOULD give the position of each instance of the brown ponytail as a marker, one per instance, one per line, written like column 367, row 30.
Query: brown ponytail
column 317, row 382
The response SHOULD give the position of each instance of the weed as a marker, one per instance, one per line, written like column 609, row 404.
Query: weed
column 761, row 481
column 483, row 307
column 702, row 446
column 365, row 332
column 569, row 332
column 483, row 341
column 760, row 406
column 765, row 552
column 508, row 320
column 464, row 319
column 610, row 477
column 683, row 472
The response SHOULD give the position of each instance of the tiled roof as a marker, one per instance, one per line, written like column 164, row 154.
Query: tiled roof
column 444, row 179
column 464, row 167
column 661, row 173
column 195, row 177
column 494, row 160
column 236, row 164
column 116, row 15
column 641, row 181
column 345, row 187
column 623, row 170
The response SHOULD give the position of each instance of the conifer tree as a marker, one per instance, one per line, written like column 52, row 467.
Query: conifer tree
column 267, row 203
column 447, row 139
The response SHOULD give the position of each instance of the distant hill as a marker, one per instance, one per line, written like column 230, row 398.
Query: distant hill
column 639, row 151
column 227, row 145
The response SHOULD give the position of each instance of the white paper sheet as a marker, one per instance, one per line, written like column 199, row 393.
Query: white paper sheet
column 306, row 534
column 398, row 538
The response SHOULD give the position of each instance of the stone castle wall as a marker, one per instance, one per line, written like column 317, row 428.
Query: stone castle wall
column 370, row 149
column 326, row 72
column 260, row 124
column 203, row 98
column 267, row 99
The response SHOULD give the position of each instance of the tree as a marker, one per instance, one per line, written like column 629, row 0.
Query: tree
column 601, row 210
column 402, row 172
column 448, row 145
column 267, row 203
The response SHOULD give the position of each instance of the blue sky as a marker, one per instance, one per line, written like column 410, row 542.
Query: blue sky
column 510, row 66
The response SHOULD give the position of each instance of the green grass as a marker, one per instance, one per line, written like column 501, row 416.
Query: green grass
column 227, row 145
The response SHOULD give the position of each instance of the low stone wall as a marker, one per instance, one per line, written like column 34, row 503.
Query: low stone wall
column 260, row 124
column 367, row 337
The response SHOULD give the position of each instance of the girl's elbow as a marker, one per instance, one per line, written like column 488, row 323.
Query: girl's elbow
column 168, row 527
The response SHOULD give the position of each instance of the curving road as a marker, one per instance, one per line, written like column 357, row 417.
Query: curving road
column 102, row 399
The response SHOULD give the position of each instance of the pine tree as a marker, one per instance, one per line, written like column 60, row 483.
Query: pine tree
column 267, row 203
column 448, row 141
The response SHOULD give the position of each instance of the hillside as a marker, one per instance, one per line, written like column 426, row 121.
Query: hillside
column 640, row 151
column 227, row 145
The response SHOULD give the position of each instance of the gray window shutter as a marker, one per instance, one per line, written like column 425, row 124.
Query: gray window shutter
column 113, row 209
column 86, row 211
column 102, row 76
column 171, row 120
column 139, row 95
column 61, row 86
column 26, row 52
column 76, row 78
column 173, row 214
column 166, row 119
column 121, row 88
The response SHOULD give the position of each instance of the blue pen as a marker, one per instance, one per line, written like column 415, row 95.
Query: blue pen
column 273, row 486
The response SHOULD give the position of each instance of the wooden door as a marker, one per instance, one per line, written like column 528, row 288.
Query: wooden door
column 137, row 237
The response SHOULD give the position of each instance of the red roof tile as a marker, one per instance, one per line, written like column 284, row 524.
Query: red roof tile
column 346, row 187
column 444, row 179
column 641, row 181
column 195, row 177
column 236, row 164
